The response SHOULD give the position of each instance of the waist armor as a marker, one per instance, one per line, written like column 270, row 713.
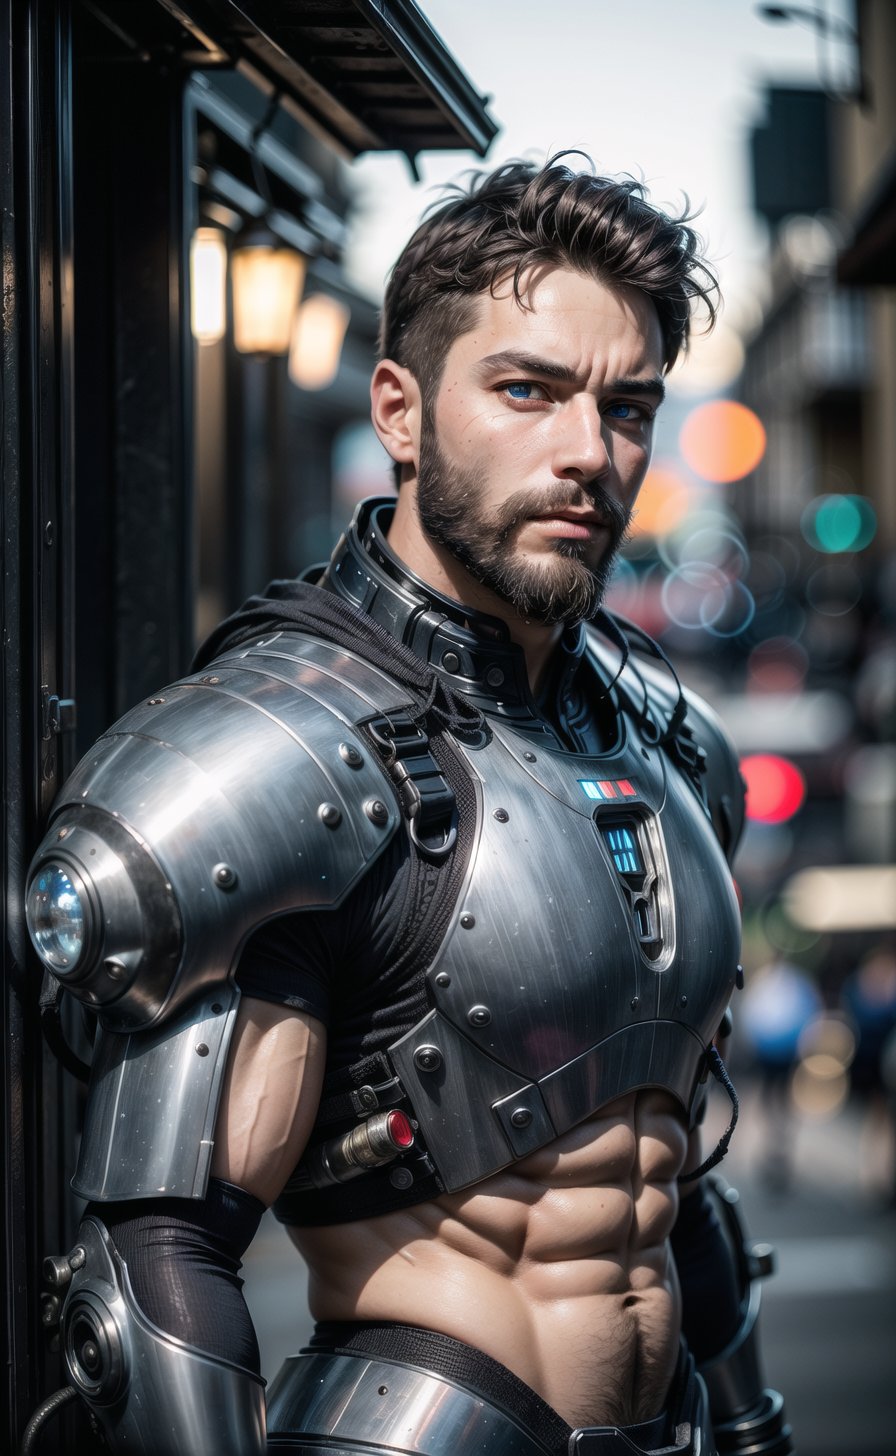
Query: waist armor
column 592, row 952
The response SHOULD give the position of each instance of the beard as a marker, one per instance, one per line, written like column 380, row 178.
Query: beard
column 556, row 588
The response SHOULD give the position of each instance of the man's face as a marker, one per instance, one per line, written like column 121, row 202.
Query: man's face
column 538, row 439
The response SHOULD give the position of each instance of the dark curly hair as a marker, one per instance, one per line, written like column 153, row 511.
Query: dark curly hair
column 520, row 216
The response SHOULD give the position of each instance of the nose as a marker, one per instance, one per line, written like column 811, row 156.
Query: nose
column 580, row 450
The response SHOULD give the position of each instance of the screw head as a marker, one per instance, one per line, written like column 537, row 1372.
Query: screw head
column 89, row 1356
column 479, row 1016
column 494, row 677
column 224, row 876
column 376, row 812
column 467, row 920
column 202, row 1050
column 154, row 701
column 442, row 979
column 114, row 969
column 450, row 661
column 530, row 757
column 635, row 1002
column 330, row 815
column 427, row 1059
column 211, row 680
column 501, row 815
column 350, row 755
column 683, row 1001
column 521, row 1117
column 401, row 1177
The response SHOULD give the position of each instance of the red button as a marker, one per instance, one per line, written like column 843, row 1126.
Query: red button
column 400, row 1130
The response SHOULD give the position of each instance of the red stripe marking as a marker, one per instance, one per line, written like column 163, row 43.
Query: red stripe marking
column 626, row 788
column 607, row 788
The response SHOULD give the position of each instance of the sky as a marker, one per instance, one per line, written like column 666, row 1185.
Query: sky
column 665, row 90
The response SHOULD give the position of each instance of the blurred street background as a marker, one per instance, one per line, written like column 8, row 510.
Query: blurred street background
column 763, row 559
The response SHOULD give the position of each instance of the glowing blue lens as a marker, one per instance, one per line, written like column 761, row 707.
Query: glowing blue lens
column 55, row 915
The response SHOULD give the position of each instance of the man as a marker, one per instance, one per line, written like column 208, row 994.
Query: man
column 467, row 863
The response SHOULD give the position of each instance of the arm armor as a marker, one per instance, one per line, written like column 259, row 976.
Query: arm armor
column 747, row 1417
column 152, row 1394
column 230, row 798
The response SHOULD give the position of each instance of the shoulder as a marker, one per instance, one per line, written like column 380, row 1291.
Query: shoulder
column 234, row 796
column 703, row 728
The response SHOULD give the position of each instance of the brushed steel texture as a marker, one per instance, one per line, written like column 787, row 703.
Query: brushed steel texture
column 544, row 935
column 229, row 772
column 377, row 1405
column 152, row 1394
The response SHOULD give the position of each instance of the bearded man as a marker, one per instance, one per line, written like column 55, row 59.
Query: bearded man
column 410, row 913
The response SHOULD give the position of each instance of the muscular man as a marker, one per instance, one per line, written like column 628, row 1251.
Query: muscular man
column 410, row 913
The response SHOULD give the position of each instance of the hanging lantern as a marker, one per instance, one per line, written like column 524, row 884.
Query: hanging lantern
column 267, row 284
column 208, row 285
column 317, row 338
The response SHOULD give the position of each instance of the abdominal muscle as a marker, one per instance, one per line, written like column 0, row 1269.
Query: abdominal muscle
column 558, row 1267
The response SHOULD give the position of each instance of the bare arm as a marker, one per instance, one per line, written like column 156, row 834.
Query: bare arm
column 270, row 1097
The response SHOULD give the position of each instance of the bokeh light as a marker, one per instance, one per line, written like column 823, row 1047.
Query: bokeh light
column 663, row 501
column 722, row 441
column 836, row 523
column 775, row 787
column 777, row 665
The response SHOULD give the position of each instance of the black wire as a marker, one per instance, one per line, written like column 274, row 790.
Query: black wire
column 51, row 1405
column 720, row 1072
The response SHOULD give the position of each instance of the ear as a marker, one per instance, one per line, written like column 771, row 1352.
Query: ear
column 395, row 408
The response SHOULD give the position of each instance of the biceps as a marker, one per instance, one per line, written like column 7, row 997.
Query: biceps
column 270, row 1097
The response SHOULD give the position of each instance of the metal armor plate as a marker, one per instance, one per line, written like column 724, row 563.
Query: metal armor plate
column 592, row 952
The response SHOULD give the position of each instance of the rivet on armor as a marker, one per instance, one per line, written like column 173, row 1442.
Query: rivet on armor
column 530, row 757
column 217, row 1008
column 202, row 1050
column 450, row 661
column 224, row 876
column 442, row 979
column 376, row 811
column 521, row 1117
column 479, row 1016
column 329, row 814
column 350, row 755
column 739, row 978
column 114, row 969
column 382, row 1390
column 62, row 834
column 154, row 701
column 427, row 1059
column 502, row 816
column 401, row 1177
column 635, row 1002
column 494, row 677
column 467, row 920
column 211, row 680
column 684, row 1000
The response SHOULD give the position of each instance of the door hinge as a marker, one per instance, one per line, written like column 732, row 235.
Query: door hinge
column 59, row 715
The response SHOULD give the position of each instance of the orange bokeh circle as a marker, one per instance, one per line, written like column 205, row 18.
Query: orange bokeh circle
column 722, row 441
column 663, row 501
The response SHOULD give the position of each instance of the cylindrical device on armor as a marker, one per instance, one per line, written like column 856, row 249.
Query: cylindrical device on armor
column 369, row 1145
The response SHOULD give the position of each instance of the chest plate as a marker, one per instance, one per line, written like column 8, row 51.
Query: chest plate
column 592, row 952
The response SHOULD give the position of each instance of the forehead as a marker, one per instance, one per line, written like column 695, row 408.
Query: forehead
column 569, row 317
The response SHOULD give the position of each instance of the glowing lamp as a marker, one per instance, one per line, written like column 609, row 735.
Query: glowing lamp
column 317, row 338
column 776, row 789
column 834, row 523
column 267, row 283
column 722, row 441
column 208, row 285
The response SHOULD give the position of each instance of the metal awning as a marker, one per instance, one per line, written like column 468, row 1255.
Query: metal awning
column 367, row 75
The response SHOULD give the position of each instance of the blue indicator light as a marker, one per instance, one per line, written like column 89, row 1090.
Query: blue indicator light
column 623, row 846
column 591, row 788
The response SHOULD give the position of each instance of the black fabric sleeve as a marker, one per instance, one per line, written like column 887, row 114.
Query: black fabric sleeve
column 706, row 1271
column 183, row 1260
column 290, row 961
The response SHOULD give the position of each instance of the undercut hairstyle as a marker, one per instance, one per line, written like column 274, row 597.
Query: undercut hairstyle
column 520, row 217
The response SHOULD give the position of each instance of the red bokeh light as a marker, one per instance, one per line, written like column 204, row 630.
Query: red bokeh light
column 775, row 788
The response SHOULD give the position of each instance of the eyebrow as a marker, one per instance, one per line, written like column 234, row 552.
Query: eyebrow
column 548, row 369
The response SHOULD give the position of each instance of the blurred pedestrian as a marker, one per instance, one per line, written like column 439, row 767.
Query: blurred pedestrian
column 778, row 1005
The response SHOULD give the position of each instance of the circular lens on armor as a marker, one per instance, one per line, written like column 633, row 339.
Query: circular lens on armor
column 55, row 913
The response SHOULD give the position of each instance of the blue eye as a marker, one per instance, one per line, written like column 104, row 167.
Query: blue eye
column 519, row 391
column 623, row 410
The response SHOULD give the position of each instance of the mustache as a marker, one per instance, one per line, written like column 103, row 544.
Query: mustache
column 559, row 497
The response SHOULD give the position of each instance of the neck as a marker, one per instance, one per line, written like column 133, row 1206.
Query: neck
column 441, row 570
